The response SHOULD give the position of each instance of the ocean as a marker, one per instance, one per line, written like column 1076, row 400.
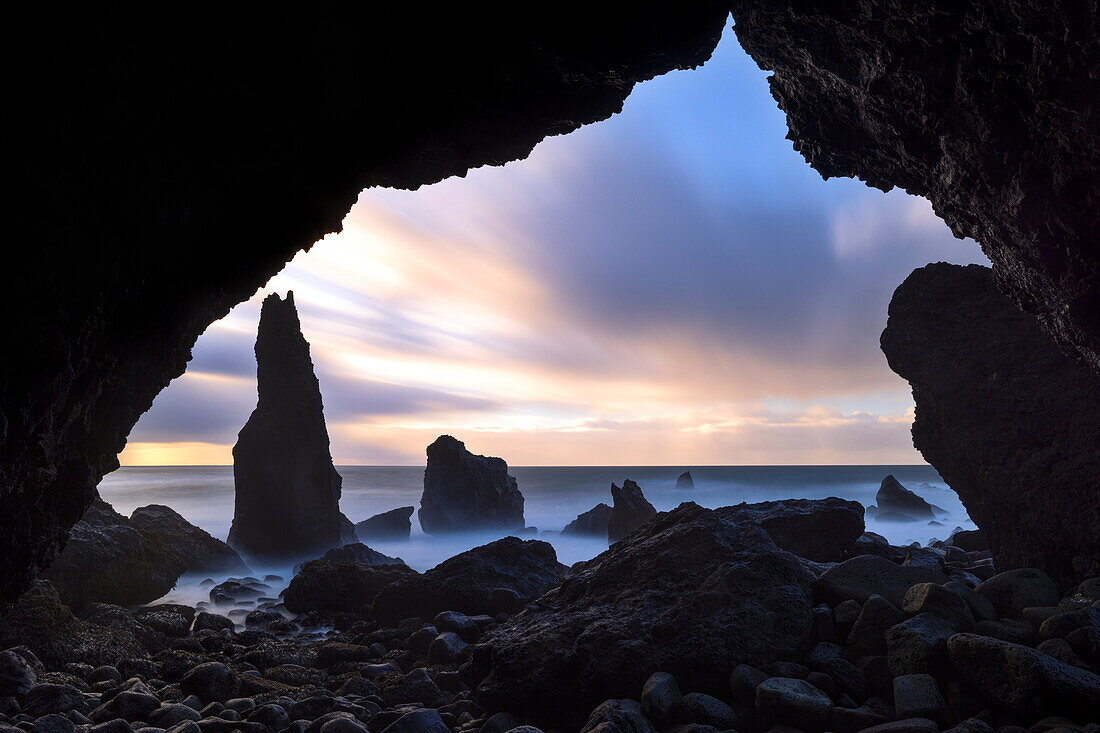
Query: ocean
column 554, row 496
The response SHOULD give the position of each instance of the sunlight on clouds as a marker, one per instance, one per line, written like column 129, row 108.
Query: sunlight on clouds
column 176, row 454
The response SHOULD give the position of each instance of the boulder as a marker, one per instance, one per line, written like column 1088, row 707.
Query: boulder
column 860, row 577
column 971, row 540
column 16, row 676
column 334, row 585
column 358, row 552
column 618, row 716
column 1012, row 591
column 629, row 510
column 466, row 492
column 676, row 596
column 821, row 530
column 918, row 645
column 792, row 702
column 894, row 498
column 200, row 551
column 592, row 523
column 684, row 482
column 1006, row 418
column 660, row 696
column 1022, row 681
column 110, row 560
column 467, row 581
column 392, row 525
column 287, row 492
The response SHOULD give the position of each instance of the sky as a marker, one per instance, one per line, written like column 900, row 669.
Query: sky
column 672, row 286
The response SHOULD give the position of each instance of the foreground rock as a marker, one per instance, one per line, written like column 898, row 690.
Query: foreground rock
column 817, row 529
column 200, row 552
column 341, row 585
column 629, row 511
column 358, row 552
column 463, row 491
column 1006, row 418
column 110, row 560
column 861, row 577
column 392, row 525
column 675, row 597
column 893, row 498
column 287, row 490
column 500, row 576
column 593, row 523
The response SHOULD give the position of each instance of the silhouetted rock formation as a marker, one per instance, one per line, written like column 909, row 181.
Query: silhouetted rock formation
column 358, row 552
column 463, row 491
column 1008, row 420
column 341, row 585
column 200, row 552
column 684, row 482
column 895, row 498
column 109, row 560
column 392, row 525
column 673, row 597
column 629, row 511
column 499, row 576
column 822, row 530
column 593, row 523
column 287, row 500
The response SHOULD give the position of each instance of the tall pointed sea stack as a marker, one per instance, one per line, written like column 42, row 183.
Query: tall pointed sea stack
column 287, row 490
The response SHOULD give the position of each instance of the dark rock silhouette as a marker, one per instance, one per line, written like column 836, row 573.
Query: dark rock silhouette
column 287, row 501
column 629, row 511
column 110, row 560
column 684, row 482
column 472, row 582
column 390, row 525
column 593, row 522
column 341, row 585
column 895, row 498
column 358, row 552
column 200, row 552
column 822, row 530
column 1008, row 420
column 671, row 597
column 463, row 491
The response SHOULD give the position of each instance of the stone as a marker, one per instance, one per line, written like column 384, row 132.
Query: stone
column 210, row 682
column 660, row 696
column 128, row 705
column 868, row 634
column 16, row 676
column 45, row 698
column 908, row 725
column 170, row 619
column 618, row 716
column 792, row 702
column 638, row 608
column 392, row 525
column 287, row 492
column 893, row 497
column 109, row 560
column 415, row 687
column 918, row 696
column 919, row 646
column 447, row 648
column 358, row 552
column 684, row 482
column 980, row 607
column 1005, row 416
column 861, row 577
column 941, row 602
column 199, row 550
column 53, row 723
column 969, row 540
column 629, row 510
column 459, row 623
column 1023, row 681
column 467, row 582
column 466, row 492
column 351, row 587
column 1012, row 591
column 418, row 721
column 703, row 709
column 216, row 622
column 821, row 530
column 592, row 523
column 169, row 714
column 743, row 681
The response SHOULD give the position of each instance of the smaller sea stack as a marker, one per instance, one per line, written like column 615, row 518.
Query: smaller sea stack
column 464, row 492
column 629, row 511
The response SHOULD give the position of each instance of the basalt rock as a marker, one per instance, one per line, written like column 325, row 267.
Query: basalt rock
column 200, row 552
column 391, row 525
column 821, row 530
column 593, row 523
column 465, row 492
column 1008, row 420
column 684, row 482
column 691, row 594
column 341, row 585
column 629, row 511
column 893, row 497
column 287, row 500
column 110, row 560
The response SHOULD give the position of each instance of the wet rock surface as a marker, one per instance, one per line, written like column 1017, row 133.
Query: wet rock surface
column 1006, row 418
column 200, row 552
column 394, row 524
column 287, row 492
column 464, row 491
column 629, row 510
column 108, row 559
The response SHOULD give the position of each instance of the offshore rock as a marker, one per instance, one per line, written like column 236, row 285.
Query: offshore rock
column 893, row 497
column 110, row 560
column 690, row 594
column 391, row 525
column 629, row 511
column 1007, row 419
column 593, row 523
column 821, row 530
column 684, row 482
column 467, row 581
column 200, row 552
column 464, row 492
column 287, row 490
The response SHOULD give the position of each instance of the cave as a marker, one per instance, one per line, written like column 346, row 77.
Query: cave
column 170, row 161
